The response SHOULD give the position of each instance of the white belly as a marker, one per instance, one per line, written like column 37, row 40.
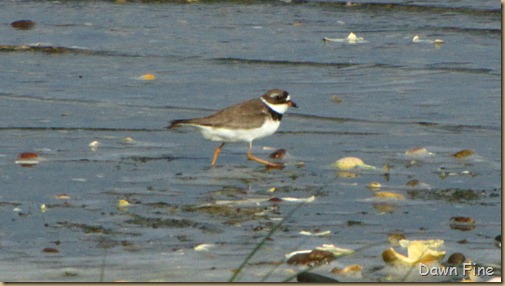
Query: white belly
column 235, row 135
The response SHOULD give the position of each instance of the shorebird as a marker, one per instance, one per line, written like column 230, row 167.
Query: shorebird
column 245, row 121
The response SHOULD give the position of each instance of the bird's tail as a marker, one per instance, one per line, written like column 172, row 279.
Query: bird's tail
column 177, row 123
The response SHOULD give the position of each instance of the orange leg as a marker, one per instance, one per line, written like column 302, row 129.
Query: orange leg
column 216, row 153
column 264, row 162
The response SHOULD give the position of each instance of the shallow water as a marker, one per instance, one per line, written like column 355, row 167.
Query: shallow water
column 395, row 95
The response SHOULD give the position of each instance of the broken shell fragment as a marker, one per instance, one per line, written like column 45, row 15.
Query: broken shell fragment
column 419, row 251
column 50, row 250
column 28, row 159
column 28, row 155
column 389, row 195
column 322, row 254
column 147, row 76
column 204, row 247
column 374, row 186
column 123, row 203
column 436, row 42
column 348, row 163
column 336, row 99
column 315, row 233
column 463, row 154
column 313, row 257
column 417, row 152
column 127, row 140
column 279, row 154
column 337, row 251
column 348, row 270
column 351, row 39
column 385, row 207
column 394, row 238
column 94, row 145
column 62, row 196
column 305, row 200
column 462, row 219
column 390, row 255
column 462, row 223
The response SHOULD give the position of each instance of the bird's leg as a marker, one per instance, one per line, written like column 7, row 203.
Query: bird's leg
column 253, row 158
column 216, row 153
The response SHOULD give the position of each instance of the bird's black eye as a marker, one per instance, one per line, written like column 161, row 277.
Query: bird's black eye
column 276, row 96
column 280, row 96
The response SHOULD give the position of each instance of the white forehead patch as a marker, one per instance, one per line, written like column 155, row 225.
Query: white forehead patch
column 279, row 108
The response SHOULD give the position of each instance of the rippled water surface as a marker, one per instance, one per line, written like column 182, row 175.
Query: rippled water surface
column 373, row 99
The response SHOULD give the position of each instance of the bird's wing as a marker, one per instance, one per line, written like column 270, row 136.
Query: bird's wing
column 251, row 112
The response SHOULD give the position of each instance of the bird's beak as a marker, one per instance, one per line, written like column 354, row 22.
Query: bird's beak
column 292, row 104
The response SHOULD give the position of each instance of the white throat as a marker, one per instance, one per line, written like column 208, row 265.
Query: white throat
column 279, row 108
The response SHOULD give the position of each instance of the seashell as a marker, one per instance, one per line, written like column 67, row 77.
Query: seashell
column 28, row 155
column 351, row 269
column 27, row 159
column 463, row 154
column 374, row 186
column 394, row 238
column 417, row 152
column 94, row 145
column 314, row 257
column 23, row 24
column 389, row 195
column 279, row 154
column 348, row 163
column 123, row 203
column 147, row 76
column 419, row 251
column 462, row 219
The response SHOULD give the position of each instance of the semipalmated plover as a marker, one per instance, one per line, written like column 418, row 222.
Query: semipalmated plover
column 245, row 121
